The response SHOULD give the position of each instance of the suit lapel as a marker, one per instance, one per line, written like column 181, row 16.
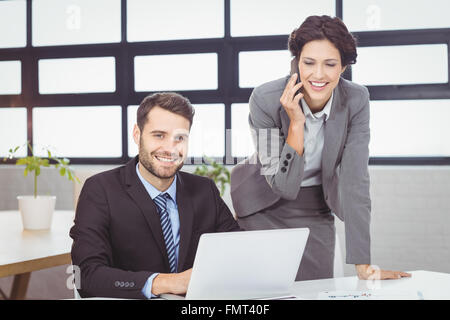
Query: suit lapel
column 186, row 214
column 143, row 200
column 335, row 127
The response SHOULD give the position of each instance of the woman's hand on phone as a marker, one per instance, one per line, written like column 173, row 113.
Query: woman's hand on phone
column 290, row 101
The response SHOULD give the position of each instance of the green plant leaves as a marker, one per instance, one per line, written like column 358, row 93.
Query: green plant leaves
column 215, row 171
column 34, row 163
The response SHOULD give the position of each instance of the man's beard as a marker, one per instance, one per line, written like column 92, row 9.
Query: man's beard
column 147, row 160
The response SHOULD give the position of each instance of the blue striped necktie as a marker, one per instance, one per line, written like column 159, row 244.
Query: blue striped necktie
column 161, row 203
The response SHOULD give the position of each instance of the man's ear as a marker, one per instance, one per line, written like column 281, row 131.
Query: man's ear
column 136, row 134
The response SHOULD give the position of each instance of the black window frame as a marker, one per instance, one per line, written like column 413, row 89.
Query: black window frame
column 228, row 92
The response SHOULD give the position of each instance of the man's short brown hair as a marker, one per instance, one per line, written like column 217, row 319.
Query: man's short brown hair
column 169, row 101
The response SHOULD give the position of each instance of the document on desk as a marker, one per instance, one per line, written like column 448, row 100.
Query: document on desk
column 370, row 295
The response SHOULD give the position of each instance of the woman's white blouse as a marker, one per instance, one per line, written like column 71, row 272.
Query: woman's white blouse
column 313, row 143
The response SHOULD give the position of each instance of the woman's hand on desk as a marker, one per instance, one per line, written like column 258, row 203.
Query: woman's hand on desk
column 369, row 272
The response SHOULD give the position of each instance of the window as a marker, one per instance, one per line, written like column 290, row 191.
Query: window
column 174, row 19
column 413, row 64
column 77, row 75
column 176, row 72
column 132, row 114
column 75, row 80
column 10, row 80
column 410, row 128
column 242, row 143
column 368, row 15
column 78, row 132
column 13, row 130
column 262, row 17
column 68, row 22
column 257, row 67
column 13, row 24
column 207, row 132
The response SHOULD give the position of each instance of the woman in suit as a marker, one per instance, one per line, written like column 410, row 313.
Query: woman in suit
column 311, row 131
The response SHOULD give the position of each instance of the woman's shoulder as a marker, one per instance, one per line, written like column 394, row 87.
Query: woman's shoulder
column 354, row 97
column 353, row 90
column 267, row 95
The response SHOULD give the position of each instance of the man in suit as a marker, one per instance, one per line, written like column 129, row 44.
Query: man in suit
column 137, row 227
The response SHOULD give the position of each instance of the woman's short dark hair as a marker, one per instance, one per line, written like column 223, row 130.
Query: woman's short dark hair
column 324, row 27
column 169, row 101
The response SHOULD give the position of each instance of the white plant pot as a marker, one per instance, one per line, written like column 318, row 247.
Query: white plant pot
column 37, row 213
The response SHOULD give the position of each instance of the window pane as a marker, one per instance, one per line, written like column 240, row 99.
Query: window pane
column 411, row 64
column 207, row 137
column 366, row 15
column 78, row 131
column 13, row 130
column 131, row 115
column 241, row 139
column 10, row 77
column 66, row 22
column 175, row 72
column 258, row 67
column 257, row 17
column 77, row 75
column 13, row 13
column 207, row 131
column 409, row 128
column 174, row 19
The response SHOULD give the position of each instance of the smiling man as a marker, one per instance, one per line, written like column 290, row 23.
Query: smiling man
column 137, row 227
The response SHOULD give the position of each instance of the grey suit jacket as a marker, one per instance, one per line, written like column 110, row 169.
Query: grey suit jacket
column 276, row 170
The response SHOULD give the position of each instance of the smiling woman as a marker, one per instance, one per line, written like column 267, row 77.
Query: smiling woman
column 317, row 166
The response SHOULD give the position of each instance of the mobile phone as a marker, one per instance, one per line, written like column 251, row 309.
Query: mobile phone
column 294, row 69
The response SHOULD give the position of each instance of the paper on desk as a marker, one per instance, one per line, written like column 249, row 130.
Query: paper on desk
column 370, row 295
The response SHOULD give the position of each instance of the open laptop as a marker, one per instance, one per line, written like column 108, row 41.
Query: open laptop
column 245, row 264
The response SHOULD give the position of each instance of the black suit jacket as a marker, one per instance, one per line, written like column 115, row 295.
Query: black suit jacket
column 117, row 237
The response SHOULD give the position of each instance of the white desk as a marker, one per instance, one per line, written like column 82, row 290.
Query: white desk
column 24, row 251
column 433, row 285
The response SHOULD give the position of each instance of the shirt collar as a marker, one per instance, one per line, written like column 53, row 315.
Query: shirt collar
column 326, row 110
column 153, row 192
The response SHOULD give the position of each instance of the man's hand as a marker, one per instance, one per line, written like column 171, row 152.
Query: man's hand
column 176, row 283
column 368, row 272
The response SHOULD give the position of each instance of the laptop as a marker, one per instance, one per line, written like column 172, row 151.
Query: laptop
column 245, row 264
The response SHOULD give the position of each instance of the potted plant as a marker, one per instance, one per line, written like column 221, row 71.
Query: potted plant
column 216, row 172
column 37, row 210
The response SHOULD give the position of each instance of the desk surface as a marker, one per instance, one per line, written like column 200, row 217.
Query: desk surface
column 432, row 285
column 24, row 251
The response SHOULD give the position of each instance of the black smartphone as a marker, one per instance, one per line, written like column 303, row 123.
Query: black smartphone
column 294, row 69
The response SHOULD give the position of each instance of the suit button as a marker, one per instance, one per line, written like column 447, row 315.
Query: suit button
column 127, row 284
column 283, row 169
column 286, row 163
column 131, row 284
column 288, row 156
column 117, row 284
column 122, row 284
